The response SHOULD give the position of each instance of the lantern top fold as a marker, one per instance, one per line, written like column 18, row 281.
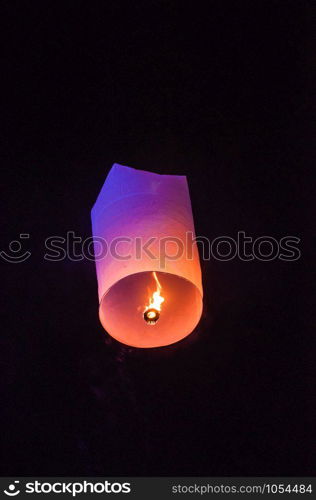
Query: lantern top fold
column 123, row 181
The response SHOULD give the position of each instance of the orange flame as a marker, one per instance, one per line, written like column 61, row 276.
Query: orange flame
column 156, row 299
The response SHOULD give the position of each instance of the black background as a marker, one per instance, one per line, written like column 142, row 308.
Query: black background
column 220, row 92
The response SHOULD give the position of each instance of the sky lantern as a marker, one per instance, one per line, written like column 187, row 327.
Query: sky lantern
column 147, row 262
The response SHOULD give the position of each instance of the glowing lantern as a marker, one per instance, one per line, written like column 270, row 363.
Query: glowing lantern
column 147, row 262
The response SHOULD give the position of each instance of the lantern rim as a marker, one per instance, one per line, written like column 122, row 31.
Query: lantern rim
column 131, row 344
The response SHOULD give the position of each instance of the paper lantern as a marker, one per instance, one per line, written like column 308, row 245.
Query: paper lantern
column 147, row 262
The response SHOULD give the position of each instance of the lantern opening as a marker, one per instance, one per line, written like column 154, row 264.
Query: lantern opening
column 122, row 309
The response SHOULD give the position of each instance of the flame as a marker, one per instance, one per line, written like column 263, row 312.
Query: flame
column 156, row 299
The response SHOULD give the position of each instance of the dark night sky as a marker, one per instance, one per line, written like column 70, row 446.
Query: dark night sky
column 220, row 92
